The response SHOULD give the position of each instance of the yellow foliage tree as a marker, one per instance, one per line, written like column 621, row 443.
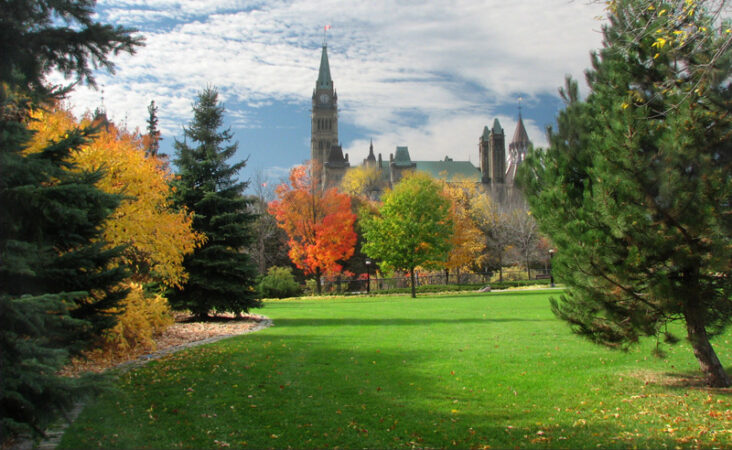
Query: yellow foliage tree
column 362, row 182
column 467, row 240
column 156, row 235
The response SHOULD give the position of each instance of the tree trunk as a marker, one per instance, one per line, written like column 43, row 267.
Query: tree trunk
column 261, row 253
column 317, row 281
column 447, row 276
column 411, row 277
column 708, row 361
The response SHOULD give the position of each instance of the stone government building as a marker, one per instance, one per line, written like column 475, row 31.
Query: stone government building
column 495, row 174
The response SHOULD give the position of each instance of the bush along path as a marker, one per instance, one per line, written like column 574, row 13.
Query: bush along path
column 216, row 331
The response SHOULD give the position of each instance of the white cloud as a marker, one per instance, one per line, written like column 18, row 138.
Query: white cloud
column 451, row 63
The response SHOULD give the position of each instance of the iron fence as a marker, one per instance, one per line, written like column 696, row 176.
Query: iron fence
column 375, row 284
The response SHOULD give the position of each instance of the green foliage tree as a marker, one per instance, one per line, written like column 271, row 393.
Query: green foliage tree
column 57, row 282
column 635, row 189
column 221, row 274
column 413, row 226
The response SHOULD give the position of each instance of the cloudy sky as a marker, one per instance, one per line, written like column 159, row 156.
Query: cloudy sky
column 426, row 74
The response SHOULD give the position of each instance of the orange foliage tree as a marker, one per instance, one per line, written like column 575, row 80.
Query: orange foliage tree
column 156, row 237
column 319, row 223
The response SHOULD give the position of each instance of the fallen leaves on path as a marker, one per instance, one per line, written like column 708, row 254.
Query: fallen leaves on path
column 183, row 332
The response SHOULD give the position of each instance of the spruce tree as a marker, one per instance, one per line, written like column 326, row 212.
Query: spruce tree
column 221, row 274
column 57, row 280
column 152, row 141
column 635, row 189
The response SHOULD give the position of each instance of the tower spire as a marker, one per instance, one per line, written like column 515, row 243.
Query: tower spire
column 324, row 80
column 519, row 107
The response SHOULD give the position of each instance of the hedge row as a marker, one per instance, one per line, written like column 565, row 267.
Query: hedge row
column 462, row 287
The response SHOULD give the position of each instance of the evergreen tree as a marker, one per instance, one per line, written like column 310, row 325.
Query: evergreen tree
column 39, row 36
column 221, row 274
column 56, row 279
column 152, row 139
column 57, row 282
column 635, row 189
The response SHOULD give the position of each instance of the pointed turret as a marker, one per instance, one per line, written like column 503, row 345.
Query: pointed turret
column 324, row 80
column 486, row 133
column 520, row 136
column 497, row 129
column 371, row 159
column 517, row 150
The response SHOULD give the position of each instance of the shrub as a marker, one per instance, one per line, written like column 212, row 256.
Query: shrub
column 141, row 318
column 311, row 287
column 278, row 283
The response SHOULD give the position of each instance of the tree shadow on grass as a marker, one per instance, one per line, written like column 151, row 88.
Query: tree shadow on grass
column 386, row 399
column 395, row 321
column 681, row 380
column 293, row 391
column 217, row 318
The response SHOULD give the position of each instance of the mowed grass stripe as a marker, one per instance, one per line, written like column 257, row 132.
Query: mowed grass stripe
column 464, row 371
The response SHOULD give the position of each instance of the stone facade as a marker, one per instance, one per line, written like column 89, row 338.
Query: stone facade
column 495, row 174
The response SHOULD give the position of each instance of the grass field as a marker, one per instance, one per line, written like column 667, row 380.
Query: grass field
column 467, row 371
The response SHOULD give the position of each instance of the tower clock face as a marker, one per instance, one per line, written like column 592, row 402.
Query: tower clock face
column 324, row 98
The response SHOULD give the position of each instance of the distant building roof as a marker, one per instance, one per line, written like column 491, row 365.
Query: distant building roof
column 497, row 129
column 336, row 158
column 324, row 80
column 450, row 171
column 520, row 135
column 371, row 157
column 486, row 133
column 402, row 157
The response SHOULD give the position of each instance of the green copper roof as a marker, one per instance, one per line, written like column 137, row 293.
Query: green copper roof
column 450, row 171
column 324, row 80
column 486, row 133
column 402, row 155
column 497, row 129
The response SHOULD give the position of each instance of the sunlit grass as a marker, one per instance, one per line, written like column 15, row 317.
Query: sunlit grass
column 457, row 371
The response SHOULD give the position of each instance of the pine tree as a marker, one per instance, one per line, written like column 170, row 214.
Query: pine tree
column 635, row 189
column 221, row 274
column 57, row 282
column 152, row 139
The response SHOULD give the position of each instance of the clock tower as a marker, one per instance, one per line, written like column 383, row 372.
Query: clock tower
column 324, row 125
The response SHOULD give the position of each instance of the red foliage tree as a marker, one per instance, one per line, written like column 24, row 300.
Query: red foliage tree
column 319, row 223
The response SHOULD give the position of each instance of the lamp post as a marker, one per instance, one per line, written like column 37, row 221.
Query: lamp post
column 368, row 276
column 551, row 269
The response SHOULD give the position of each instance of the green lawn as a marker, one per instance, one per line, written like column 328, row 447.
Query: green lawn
column 477, row 371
